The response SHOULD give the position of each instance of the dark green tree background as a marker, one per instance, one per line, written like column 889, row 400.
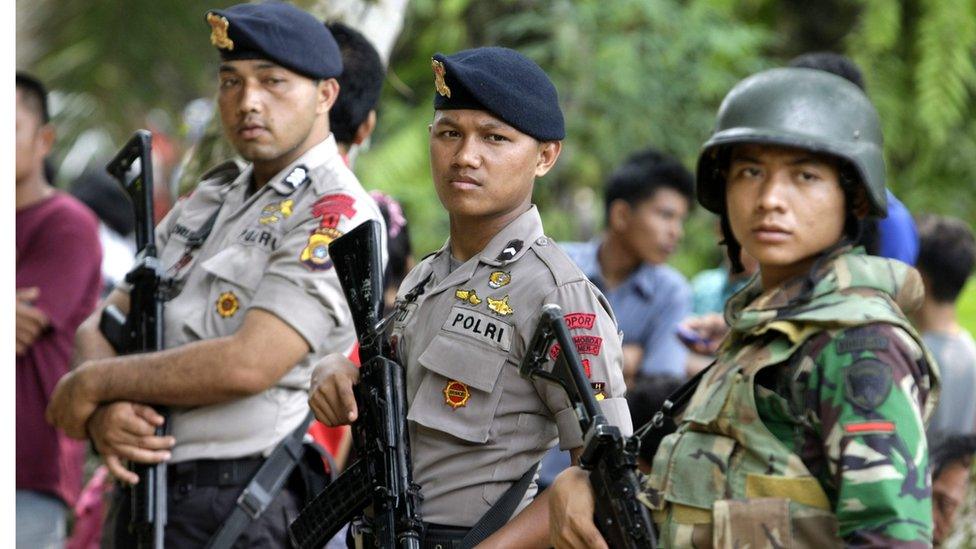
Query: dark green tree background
column 631, row 74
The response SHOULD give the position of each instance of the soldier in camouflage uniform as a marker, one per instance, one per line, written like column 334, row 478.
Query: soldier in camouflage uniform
column 807, row 430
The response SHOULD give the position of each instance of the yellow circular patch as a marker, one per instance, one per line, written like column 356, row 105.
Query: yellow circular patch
column 456, row 394
column 227, row 304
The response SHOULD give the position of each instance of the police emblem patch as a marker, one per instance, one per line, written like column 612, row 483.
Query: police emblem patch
column 497, row 279
column 227, row 304
column 439, row 84
column 456, row 394
column 276, row 211
column 500, row 306
column 315, row 255
column 867, row 383
column 218, row 31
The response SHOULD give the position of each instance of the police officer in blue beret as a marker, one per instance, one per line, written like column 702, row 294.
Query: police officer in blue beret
column 254, row 304
column 467, row 312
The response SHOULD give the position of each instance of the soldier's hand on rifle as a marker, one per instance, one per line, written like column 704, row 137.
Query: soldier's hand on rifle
column 331, row 397
column 72, row 403
column 126, row 431
column 571, row 511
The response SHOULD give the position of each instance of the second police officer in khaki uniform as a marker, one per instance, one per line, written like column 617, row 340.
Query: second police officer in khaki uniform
column 254, row 302
column 466, row 313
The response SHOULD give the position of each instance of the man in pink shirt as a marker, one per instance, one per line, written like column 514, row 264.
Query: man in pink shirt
column 58, row 281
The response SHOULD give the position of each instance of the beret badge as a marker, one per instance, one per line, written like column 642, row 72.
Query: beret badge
column 439, row 83
column 218, row 31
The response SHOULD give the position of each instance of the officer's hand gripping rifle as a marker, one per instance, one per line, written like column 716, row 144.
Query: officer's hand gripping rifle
column 610, row 459
column 377, row 490
column 142, row 329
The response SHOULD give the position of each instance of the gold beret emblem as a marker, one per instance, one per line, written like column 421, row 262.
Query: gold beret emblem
column 218, row 31
column 439, row 72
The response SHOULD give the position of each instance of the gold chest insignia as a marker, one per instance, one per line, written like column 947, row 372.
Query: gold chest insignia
column 497, row 279
column 500, row 306
column 439, row 84
column 468, row 296
column 227, row 304
column 272, row 213
column 218, row 31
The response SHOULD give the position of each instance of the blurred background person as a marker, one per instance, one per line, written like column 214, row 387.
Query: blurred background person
column 951, row 457
column 946, row 258
column 58, row 280
column 646, row 202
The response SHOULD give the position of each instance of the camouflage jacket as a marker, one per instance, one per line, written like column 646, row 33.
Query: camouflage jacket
column 808, row 429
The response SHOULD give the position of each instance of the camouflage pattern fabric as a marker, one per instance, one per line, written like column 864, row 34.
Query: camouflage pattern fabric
column 809, row 428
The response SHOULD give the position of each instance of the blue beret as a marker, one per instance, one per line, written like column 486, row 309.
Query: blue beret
column 278, row 32
column 503, row 82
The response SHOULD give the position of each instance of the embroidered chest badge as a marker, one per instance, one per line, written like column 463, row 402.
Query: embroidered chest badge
column 456, row 394
column 500, row 306
column 218, row 31
column 498, row 279
column 276, row 211
column 227, row 304
column 468, row 296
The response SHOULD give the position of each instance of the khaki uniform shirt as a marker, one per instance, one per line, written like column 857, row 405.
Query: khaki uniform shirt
column 476, row 426
column 266, row 250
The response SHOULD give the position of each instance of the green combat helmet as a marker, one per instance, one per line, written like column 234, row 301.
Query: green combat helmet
column 805, row 108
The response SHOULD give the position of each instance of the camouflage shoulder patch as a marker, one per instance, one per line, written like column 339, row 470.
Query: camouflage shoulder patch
column 867, row 383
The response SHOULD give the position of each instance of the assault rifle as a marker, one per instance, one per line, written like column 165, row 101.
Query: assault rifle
column 610, row 459
column 377, row 490
column 142, row 329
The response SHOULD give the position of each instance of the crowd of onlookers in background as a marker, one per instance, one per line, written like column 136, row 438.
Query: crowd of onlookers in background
column 70, row 249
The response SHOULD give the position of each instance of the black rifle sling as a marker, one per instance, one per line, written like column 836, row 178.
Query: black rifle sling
column 500, row 512
column 263, row 488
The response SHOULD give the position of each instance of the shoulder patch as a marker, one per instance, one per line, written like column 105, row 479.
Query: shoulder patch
column 867, row 383
column 851, row 344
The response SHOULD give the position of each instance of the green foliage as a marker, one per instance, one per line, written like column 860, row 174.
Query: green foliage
column 919, row 59
column 631, row 74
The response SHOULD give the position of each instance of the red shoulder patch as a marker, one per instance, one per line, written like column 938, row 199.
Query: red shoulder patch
column 580, row 321
column 331, row 208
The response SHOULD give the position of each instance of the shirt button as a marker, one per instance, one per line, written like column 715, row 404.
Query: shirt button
column 542, row 241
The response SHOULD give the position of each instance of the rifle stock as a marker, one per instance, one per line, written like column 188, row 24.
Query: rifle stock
column 142, row 329
column 610, row 458
column 377, row 490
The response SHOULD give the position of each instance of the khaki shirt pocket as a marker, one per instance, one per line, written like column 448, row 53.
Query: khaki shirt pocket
column 236, row 272
column 456, row 395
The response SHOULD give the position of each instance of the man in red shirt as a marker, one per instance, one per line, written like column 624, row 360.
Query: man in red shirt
column 58, row 281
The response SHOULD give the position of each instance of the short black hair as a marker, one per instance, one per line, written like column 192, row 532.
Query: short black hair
column 946, row 255
column 360, row 83
column 642, row 174
column 946, row 449
column 831, row 62
column 35, row 93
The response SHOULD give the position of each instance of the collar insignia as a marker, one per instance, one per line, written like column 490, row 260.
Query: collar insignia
column 218, row 31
